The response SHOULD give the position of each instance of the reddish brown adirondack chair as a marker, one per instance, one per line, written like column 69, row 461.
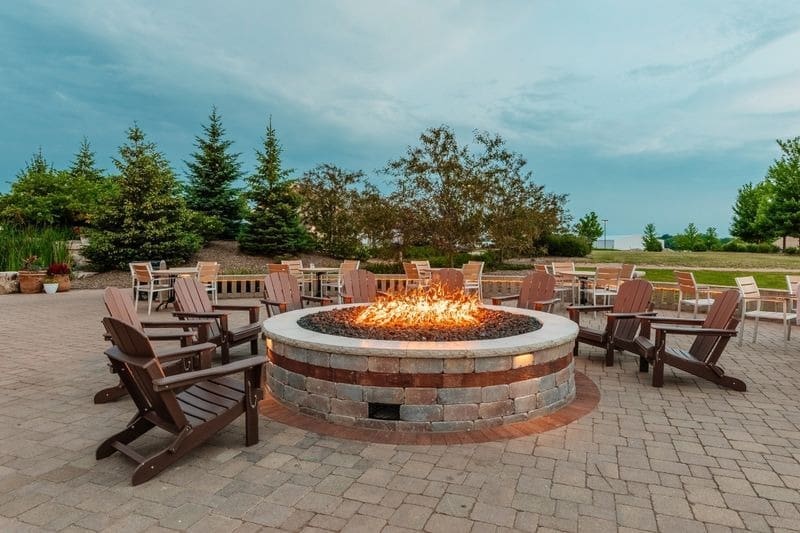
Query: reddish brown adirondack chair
column 120, row 306
column 282, row 293
column 622, row 321
column 450, row 279
column 537, row 291
column 360, row 286
column 713, row 334
column 212, row 399
column 191, row 301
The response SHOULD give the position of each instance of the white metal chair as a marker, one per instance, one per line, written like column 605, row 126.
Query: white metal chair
column 145, row 281
column 473, row 274
column 605, row 284
column 207, row 273
column 689, row 292
column 565, row 283
column 628, row 271
column 750, row 293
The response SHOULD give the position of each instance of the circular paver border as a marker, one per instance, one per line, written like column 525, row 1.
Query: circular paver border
column 587, row 396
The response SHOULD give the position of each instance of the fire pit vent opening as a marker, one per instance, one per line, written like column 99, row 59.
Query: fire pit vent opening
column 384, row 411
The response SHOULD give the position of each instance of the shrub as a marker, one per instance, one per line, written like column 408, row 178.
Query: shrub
column 699, row 247
column 792, row 250
column 58, row 269
column 384, row 268
column 567, row 245
column 767, row 248
column 734, row 246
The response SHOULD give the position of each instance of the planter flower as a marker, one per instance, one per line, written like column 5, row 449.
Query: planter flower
column 50, row 284
column 30, row 277
column 60, row 273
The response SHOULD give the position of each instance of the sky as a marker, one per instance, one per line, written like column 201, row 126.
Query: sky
column 644, row 112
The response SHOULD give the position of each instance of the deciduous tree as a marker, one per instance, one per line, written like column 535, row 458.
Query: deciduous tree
column 650, row 240
column 589, row 227
column 783, row 209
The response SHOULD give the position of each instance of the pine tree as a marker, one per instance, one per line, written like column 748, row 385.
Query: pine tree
column 83, row 166
column 148, row 218
column 211, row 175
column 650, row 240
column 274, row 226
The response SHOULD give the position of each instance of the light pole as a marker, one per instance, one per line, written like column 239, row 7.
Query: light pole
column 605, row 233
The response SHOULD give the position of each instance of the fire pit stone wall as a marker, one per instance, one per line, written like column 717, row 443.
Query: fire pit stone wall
column 421, row 386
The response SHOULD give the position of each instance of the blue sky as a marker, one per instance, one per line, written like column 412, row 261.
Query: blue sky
column 641, row 111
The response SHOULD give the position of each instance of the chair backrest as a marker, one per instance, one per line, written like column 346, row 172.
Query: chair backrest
column 191, row 296
column 472, row 271
column 348, row 265
column 633, row 297
column 282, row 287
column 627, row 271
column 748, row 287
column 137, row 366
column 142, row 272
column 536, row 287
column 120, row 306
column 275, row 267
column 540, row 267
column 607, row 277
column 411, row 270
column 294, row 267
column 360, row 285
column 422, row 264
column 686, row 284
column 558, row 268
column 207, row 271
column 721, row 315
column 450, row 279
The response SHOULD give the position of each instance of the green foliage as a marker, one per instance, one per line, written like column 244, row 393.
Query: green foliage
column 690, row 239
column 568, row 245
column 148, row 218
column 452, row 197
column 273, row 223
column 334, row 207
column 783, row 210
column 212, row 172
column 206, row 226
column 589, row 227
column 650, row 240
column 384, row 268
column 43, row 196
column 47, row 244
column 750, row 221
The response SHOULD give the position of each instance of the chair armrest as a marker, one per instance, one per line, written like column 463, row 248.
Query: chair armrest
column 647, row 321
column 177, row 324
column 280, row 305
column 382, row 293
column 222, row 318
column 631, row 315
column 682, row 330
column 185, row 351
column 188, row 378
column 576, row 310
column 169, row 335
column 322, row 300
column 253, row 309
column 347, row 299
column 498, row 300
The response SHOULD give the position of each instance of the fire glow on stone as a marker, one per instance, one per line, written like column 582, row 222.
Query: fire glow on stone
column 423, row 307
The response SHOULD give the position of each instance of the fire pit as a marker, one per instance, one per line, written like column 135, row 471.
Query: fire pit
column 421, row 385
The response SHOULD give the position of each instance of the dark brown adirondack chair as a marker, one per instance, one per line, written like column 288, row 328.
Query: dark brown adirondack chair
column 209, row 400
column 120, row 306
column 191, row 301
column 622, row 320
column 360, row 286
column 282, row 293
column 450, row 279
column 537, row 291
column 713, row 334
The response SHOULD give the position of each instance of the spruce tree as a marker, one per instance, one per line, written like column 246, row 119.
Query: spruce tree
column 83, row 166
column 274, row 226
column 147, row 218
column 211, row 175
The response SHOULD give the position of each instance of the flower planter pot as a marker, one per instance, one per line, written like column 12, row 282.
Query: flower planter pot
column 30, row 282
column 50, row 288
column 64, row 283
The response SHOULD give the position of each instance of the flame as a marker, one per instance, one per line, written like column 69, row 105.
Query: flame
column 431, row 306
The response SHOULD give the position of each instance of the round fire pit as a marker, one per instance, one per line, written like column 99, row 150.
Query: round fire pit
column 421, row 385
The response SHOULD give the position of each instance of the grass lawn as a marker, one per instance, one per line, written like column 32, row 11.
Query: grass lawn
column 690, row 260
column 765, row 280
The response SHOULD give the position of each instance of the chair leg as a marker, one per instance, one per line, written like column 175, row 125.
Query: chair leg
column 226, row 353
column 695, row 309
column 741, row 329
column 135, row 429
column 610, row 355
column 644, row 364
column 149, row 302
column 755, row 330
column 658, row 372
column 254, row 346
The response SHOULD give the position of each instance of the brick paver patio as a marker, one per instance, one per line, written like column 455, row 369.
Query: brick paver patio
column 688, row 457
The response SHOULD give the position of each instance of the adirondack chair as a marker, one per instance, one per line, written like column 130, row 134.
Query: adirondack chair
column 701, row 358
column 120, row 306
column 282, row 293
column 450, row 279
column 208, row 400
column 622, row 321
column 536, row 292
column 191, row 301
column 360, row 286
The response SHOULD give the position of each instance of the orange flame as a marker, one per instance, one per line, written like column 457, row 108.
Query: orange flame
column 430, row 306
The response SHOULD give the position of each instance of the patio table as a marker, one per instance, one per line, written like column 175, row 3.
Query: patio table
column 171, row 274
column 318, row 272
